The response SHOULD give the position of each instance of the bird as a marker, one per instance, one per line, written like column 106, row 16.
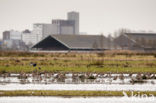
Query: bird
column 33, row 64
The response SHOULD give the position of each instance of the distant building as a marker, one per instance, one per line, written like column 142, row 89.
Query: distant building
column 6, row 35
column 14, row 45
column 13, row 40
column 41, row 30
column 74, row 16
column 28, row 38
column 74, row 43
column 1, row 44
column 58, row 27
column 64, row 26
column 69, row 26
column 137, row 41
column 12, row 35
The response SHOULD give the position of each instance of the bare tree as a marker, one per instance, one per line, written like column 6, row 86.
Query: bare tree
column 121, row 31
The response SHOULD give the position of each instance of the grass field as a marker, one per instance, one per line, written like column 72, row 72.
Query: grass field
column 107, row 62
column 73, row 93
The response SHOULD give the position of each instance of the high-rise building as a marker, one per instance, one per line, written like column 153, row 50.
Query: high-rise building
column 69, row 26
column 64, row 26
column 74, row 16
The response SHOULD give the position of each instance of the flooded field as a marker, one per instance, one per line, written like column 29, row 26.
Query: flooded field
column 75, row 100
column 111, row 87
column 78, row 81
column 77, row 78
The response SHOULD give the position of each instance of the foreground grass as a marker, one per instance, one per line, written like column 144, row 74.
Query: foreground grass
column 72, row 93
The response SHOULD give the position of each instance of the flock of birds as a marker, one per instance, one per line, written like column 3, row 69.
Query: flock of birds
column 38, row 77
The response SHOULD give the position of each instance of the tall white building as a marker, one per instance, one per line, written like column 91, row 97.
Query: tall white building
column 38, row 31
column 42, row 30
column 29, row 38
column 74, row 16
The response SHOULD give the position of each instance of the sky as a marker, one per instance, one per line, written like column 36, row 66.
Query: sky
column 96, row 16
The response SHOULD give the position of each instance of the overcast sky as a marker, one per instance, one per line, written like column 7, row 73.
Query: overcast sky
column 96, row 16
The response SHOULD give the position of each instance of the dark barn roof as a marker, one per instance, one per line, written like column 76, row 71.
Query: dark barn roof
column 74, row 42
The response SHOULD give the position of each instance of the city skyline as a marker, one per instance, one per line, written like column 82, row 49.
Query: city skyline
column 102, row 16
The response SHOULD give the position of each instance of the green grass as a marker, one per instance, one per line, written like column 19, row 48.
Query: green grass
column 28, row 69
column 16, row 62
column 70, row 93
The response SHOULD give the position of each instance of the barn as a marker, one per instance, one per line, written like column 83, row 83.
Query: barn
column 74, row 43
column 137, row 41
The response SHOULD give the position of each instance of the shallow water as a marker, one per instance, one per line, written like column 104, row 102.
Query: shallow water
column 52, row 82
column 112, row 87
column 69, row 79
column 76, row 100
